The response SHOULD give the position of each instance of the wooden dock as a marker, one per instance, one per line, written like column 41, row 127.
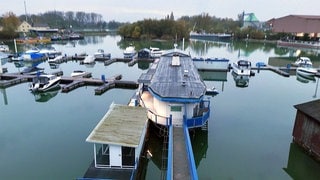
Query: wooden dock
column 283, row 71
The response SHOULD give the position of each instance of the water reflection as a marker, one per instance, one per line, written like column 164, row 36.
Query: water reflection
column 4, row 93
column 201, row 47
column 199, row 141
column 143, row 65
column 300, row 165
column 241, row 81
column 54, row 65
column 46, row 96
column 305, row 79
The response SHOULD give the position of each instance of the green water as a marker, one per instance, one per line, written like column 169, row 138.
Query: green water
column 249, row 131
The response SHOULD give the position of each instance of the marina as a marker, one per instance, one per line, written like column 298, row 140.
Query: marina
column 227, row 117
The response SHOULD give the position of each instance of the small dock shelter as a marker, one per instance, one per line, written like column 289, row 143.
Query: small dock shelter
column 306, row 131
column 118, row 138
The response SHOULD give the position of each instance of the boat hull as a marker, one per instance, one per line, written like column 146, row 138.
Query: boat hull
column 211, row 63
column 42, row 84
column 306, row 72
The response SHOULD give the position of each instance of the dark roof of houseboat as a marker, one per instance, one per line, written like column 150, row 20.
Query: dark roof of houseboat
column 176, row 81
column 311, row 109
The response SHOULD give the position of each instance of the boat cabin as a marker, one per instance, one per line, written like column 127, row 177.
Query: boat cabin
column 119, row 137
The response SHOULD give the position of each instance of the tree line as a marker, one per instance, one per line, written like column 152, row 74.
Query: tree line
column 55, row 19
column 166, row 28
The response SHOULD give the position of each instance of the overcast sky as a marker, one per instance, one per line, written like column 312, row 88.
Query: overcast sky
column 133, row 10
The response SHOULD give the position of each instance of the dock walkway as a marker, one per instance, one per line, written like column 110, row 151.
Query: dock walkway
column 181, row 169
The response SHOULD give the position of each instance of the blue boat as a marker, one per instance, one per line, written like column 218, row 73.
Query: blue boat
column 33, row 54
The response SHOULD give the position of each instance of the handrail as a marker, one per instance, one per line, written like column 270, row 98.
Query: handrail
column 192, row 164
column 170, row 154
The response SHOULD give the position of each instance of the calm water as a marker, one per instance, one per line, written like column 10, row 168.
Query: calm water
column 249, row 134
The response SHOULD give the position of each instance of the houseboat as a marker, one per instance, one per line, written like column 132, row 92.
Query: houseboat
column 173, row 91
column 220, row 64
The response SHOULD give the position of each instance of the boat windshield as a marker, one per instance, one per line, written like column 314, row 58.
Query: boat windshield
column 244, row 63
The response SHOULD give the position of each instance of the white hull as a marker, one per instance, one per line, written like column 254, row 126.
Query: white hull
column 211, row 64
column 306, row 71
column 56, row 59
column 242, row 68
column 155, row 52
column 44, row 83
column 101, row 54
column 129, row 52
column 78, row 73
column 88, row 60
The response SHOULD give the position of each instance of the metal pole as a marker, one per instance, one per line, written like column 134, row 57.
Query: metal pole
column 315, row 92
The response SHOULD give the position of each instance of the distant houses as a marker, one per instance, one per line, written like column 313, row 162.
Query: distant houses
column 24, row 27
column 297, row 25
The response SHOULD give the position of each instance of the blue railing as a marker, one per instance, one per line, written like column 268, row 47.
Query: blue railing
column 192, row 164
column 198, row 121
column 170, row 154
column 202, row 119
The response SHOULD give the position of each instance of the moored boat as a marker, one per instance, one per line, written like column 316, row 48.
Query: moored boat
column 57, row 59
column 32, row 54
column 78, row 73
column 100, row 54
column 4, row 47
column 88, row 59
column 302, row 61
column 44, row 82
column 212, row 91
column 210, row 36
column 129, row 52
column 306, row 70
column 155, row 52
column 211, row 63
column 242, row 67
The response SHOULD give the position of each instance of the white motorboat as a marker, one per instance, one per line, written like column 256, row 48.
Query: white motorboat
column 78, row 73
column 88, row 59
column 303, row 60
column 32, row 54
column 242, row 67
column 212, row 91
column 101, row 54
column 50, row 52
column 129, row 52
column 44, row 82
column 306, row 70
column 4, row 47
column 155, row 52
column 57, row 59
